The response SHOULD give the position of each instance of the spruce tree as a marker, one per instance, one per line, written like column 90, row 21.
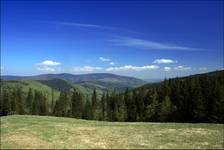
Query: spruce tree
column 103, row 106
column 87, row 109
column 77, row 105
column 62, row 105
column 29, row 100
column 153, row 108
column 42, row 108
column 94, row 114
column 167, row 108
column 34, row 110
column 13, row 102
column 20, row 106
column 5, row 109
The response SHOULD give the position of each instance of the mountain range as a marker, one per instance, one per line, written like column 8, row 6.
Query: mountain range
column 84, row 82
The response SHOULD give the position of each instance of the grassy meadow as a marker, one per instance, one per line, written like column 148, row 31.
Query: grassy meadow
column 25, row 131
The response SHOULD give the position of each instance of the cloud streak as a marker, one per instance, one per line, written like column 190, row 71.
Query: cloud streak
column 104, row 59
column 46, row 69
column 49, row 63
column 132, row 68
column 146, row 44
column 203, row 68
column 87, row 69
column 167, row 69
column 85, row 25
column 94, row 26
column 182, row 68
column 48, row 66
column 107, row 60
column 111, row 63
column 164, row 61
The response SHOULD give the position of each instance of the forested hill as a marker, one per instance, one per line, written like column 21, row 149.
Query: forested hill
column 99, row 81
column 197, row 98
column 106, row 77
column 211, row 74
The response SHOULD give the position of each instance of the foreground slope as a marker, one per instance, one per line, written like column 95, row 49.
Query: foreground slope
column 55, row 132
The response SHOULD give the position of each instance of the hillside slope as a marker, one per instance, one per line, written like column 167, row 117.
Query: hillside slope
column 195, row 98
column 101, row 81
column 27, row 84
column 64, row 86
column 219, row 74
column 20, row 132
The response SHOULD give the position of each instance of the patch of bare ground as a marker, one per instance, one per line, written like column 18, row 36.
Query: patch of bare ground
column 197, row 131
column 25, row 141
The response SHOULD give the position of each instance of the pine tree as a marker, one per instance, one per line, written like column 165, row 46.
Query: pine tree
column 95, row 111
column 132, row 110
column 77, row 105
column 20, row 106
column 13, row 102
column 1, row 102
column 103, row 106
column 153, row 109
column 167, row 108
column 87, row 109
column 34, row 110
column 62, row 105
column 52, row 104
column 129, row 105
column 5, row 109
column 122, row 110
column 42, row 104
column 198, row 101
column 139, row 105
column 220, row 106
column 114, row 106
column 218, row 101
column 108, row 108
column 29, row 100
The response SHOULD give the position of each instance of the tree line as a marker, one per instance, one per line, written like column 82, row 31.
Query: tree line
column 192, row 99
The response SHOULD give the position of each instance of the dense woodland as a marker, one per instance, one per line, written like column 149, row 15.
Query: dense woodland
column 197, row 98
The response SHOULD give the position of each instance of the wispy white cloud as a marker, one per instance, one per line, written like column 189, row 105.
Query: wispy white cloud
column 104, row 59
column 146, row 44
column 182, row 68
column 94, row 26
column 85, row 25
column 48, row 66
column 111, row 63
column 87, row 69
column 132, row 68
column 46, row 69
column 49, row 63
column 203, row 68
column 164, row 61
column 167, row 69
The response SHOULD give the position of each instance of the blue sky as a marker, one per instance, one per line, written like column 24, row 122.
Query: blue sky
column 134, row 38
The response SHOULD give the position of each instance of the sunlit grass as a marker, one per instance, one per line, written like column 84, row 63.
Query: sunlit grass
column 57, row 132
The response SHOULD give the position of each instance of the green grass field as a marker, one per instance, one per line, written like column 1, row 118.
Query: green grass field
column 24, row 131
